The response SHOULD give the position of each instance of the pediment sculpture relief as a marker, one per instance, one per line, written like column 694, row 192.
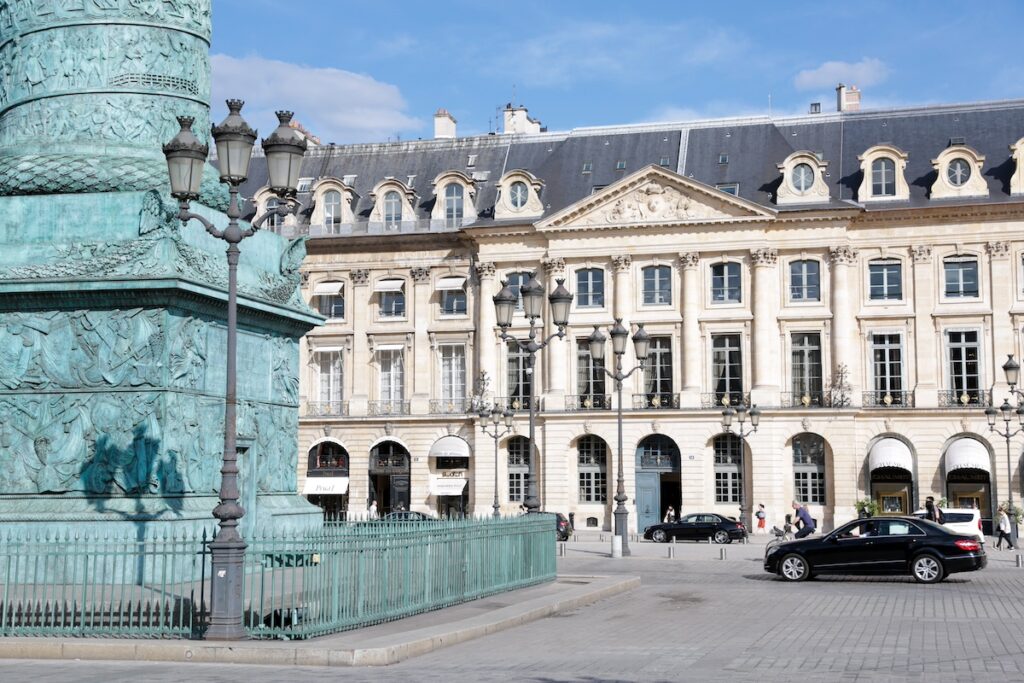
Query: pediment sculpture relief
column 654, row 202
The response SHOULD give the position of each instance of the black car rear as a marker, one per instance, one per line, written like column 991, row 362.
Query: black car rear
column 563, row 530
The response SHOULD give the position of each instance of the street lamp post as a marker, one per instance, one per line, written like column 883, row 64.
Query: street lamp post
column 186, row 157
column 740, row 414
column 533, row 303
column 642, row 347
column 496, row 416
column 1012, row 371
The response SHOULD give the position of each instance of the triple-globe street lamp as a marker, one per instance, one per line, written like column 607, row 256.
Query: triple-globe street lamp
column 740, row 414
column 186, row 159
column 532, row 294
column 498, row 430
column 642, row 347
column 1012, row 371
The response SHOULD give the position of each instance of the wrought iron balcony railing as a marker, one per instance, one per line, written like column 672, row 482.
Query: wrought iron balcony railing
column 325, row 409
column 450, row 406
column 655, row 401
column 888, row 399
column 588, row 402
column 952, row 398
column 517, row 403
column 805, row 399
column 389, row 408
column 722, row 399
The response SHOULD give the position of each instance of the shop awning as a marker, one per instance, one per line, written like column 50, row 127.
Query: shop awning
column 447, row 283
column 328, row 288
column 389, row 285
column 447, row 486
column 966, row 454
column 320, row 486
column 327, row 349
column 389, row 347
column 449, row 447
column 890, row 453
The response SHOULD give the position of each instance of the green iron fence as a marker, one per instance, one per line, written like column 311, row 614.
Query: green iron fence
column 343, row 576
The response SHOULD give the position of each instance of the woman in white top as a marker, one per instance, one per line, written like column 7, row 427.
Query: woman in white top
column 670, row 515
column 1003, row 527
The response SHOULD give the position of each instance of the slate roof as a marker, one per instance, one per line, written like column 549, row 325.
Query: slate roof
column 754, row 147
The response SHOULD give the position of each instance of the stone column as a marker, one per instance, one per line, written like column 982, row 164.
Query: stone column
column 486, row 324
column 622, row 306
column 420, row 369
column 846, row 342
column 557, row 354
column 925, row 356
column 359, row 309
column 691, row 347
column 765, row 346
column 1001, row 273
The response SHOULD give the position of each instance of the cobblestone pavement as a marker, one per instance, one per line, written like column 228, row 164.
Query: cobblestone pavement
column 698, row 618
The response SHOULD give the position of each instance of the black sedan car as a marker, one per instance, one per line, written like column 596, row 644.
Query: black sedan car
column 699, row 526
column 888, row 545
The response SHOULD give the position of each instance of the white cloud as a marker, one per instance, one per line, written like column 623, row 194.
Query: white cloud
column 336, row 105
column 867, row 72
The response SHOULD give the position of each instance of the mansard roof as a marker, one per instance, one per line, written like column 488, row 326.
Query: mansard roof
column 754, row 147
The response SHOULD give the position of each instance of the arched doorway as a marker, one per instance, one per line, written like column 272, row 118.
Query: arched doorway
column 389, row 477
column 891, row 472
column 327, row 478
column 449, row 477
column 968, row 477
column 657, row 479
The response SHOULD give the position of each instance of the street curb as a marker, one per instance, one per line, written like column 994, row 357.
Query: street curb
column 381, row 651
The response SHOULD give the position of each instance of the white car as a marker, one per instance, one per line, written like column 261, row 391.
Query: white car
column 961, row 520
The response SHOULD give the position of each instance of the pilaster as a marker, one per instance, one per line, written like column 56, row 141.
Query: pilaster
column 556, row 355
column 690, row 395
column 925, row 355
column 846, row 343
column 487, row 323
column 765, row 346
column 360, row 308
column 421, row 370
column 1001, row 272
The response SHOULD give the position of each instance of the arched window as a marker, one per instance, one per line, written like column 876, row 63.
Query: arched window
column 332, row 209
column 726, row 286
column 392, row 210
column 453, row 193
column 728, row 468
column 592, row 458
column 883, row 177
column 274, row 222
column 657, row 452
column 804, row 281
column 328, row 456
column 518, row 468
column 809, row 468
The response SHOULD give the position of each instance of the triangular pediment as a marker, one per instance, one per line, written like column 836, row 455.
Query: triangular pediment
column 654, row 195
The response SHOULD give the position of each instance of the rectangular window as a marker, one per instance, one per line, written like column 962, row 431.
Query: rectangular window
column 453, row 302
column 516, row 487
column 804, row 281
column 964, row 366
column 587, row 167
column 392, row 375
column 453, row 372
column 331, row 305
column 809, row 486
column 729, row 188
column 658, row 371
column 392, row 304
column 723, row 158
column 806, row 357
column 520, row 375
column 885, row 280
column 657, row 285
column 329, row 376
column 727, row 368
column 590, row 375
column 665, row 161
column 725, row 283
column 620, row 165
column 961, row 277
column 590, row 288
column 593, row 487
column 887, row 358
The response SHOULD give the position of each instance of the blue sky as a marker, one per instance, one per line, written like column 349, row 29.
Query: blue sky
column 372, row 71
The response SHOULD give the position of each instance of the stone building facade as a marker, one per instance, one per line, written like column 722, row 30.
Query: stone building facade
column 857, row 275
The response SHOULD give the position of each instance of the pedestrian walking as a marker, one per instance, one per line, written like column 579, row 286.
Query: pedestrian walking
column 670, row 515
column 932, row 511
column 805, row 520
column 1003, row 528
column 372, row 512
column 761, row 517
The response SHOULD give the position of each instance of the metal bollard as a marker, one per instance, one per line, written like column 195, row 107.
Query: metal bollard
column 561, row 549
column 1020, row 560
column 673, row 540
column 710, row 540
column 721, row 553
column 575, row 538
column 671, row 553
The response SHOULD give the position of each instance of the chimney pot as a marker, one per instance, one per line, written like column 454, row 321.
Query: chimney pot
column 444, row 124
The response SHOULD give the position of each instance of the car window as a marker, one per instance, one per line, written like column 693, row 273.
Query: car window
column 708, row 519
column 859, row 529
column 897, row 527
column 690, row 519
column 957, row 517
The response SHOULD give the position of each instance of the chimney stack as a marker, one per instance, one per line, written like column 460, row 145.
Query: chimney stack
column 517, row 120
column 444, row 124
column 847, row 99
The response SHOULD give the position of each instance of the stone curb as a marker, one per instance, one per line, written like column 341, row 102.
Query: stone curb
column 381, row 651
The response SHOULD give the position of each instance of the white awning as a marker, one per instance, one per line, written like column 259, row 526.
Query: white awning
column 328, row 288
column 449, row 447
column 966, row 454
column 890, row 453
column 325, row 486
column 389, row 347
column 327, row 349
column 447, row 486
column 447, row 283
column 389, row 285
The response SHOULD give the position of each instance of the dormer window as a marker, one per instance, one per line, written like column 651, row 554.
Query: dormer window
column 275, row 221
column 959, row 171
column 803, row 179
column 883, row 177
column 454, row 193
column 882, row 167
column 392, row 210
column 332, row 208
column 453, row 211
column 518, row 196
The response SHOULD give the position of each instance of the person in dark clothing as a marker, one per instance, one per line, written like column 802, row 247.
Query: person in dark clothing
column 932, row 511
column 805, row 519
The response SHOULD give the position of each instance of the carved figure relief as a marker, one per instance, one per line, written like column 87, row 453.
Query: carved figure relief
column 655, row 202
column 17, row 16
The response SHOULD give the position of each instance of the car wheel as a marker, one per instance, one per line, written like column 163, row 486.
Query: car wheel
column 794, row 568
column 722, row 537
column 927, row 569
column 659, row 536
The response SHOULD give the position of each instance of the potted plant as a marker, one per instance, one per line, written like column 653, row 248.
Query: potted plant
column 1014, row 512
column 867, row 507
